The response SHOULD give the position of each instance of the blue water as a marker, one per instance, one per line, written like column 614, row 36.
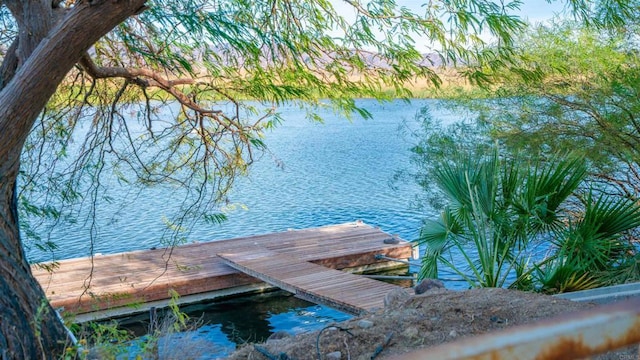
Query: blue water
column 315, row 174
column 240, row 320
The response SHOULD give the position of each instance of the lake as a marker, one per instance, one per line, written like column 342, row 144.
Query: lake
column 317, row 174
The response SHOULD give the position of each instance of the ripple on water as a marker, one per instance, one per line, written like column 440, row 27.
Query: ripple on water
column 332, row 173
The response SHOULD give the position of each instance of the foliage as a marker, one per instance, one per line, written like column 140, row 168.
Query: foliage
column 435, row 141
column 153, row 94
column 572, row 87
column 568, row 87
column 502, row 209
column 162, row 99
column 107, row 340
column 595, row 243
column 497, row 205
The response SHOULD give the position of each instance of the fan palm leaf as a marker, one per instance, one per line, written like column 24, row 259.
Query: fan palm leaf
column 596, row 239
column 498, row 205
column 546, row 187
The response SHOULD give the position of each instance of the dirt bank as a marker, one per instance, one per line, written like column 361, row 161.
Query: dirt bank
column 419, row 321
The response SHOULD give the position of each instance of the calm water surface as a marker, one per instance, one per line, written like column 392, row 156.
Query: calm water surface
column 318, row 174
column 240, row 320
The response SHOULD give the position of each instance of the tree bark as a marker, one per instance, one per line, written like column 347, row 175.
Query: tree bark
column 47, row 47
column 29, row 327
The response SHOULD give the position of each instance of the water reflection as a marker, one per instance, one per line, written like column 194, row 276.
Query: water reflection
column 330, row 173
column 228, row 323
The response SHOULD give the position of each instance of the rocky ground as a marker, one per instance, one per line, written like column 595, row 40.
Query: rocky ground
column 417, row 321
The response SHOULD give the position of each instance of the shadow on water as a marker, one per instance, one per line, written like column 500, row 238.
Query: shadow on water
column 225, row 324
column 228, row 323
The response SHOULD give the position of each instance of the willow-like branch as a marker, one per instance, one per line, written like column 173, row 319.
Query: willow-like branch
column 361, row 9
column 146, row 78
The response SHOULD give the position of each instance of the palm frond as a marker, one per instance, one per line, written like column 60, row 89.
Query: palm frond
column 498, row 205
column 626, row 271
column 433, row 234
column 560, row 275
column 611, row 216
column 429, row 267
column 596, row 239
column 547, row 187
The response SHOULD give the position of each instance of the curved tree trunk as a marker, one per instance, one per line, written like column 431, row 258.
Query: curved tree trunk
column 29, row 328
column 50, row 41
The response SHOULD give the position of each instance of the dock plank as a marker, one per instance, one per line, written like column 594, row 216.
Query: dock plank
column 345, row 291
column 85, row 285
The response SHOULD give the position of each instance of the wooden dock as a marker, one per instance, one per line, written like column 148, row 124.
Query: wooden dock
column 125, row 283
column 341, row 290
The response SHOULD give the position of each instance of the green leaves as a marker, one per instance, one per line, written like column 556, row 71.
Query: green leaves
column 610, row 216
column 501, row 207
column 570, row 87
column 180, row 94
column 595, row 241
column 561, row 88
column 547, row 187
column 215, row 219
column 605, row 14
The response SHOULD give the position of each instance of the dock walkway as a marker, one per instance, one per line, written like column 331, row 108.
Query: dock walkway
column 341, row 290
column 120, row 284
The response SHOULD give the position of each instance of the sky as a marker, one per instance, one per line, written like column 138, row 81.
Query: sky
column 539, row 10
column 534, row 11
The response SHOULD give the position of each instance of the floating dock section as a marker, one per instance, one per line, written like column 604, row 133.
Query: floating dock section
column 120, row 284
column 344, row 291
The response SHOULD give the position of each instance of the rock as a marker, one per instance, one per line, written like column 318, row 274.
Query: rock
column 410, row 313
column 411, row 332
column 428, row 284
column 279, row 335
column 365, row 324
column 453, row 334
column 336, row 355
column 395, row 298
column 391, row 240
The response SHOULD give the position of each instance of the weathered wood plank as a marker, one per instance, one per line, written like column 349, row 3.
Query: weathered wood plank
column 344, row 291
column 92, row 284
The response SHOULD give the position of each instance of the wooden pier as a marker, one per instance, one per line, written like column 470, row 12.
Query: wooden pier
column 129, row 282
column 344, row 291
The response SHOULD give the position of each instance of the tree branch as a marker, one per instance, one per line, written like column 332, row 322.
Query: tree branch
column 34, row 20
column 38, row 75
column 9, row 64
column 146, row 78
column 358, row 6
column 133, row 74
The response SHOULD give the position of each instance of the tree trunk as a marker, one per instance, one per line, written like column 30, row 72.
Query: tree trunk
column 30, row 74
column 29, row 327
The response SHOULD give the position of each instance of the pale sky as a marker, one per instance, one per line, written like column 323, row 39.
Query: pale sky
column 539, row 10
column 534, row 11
